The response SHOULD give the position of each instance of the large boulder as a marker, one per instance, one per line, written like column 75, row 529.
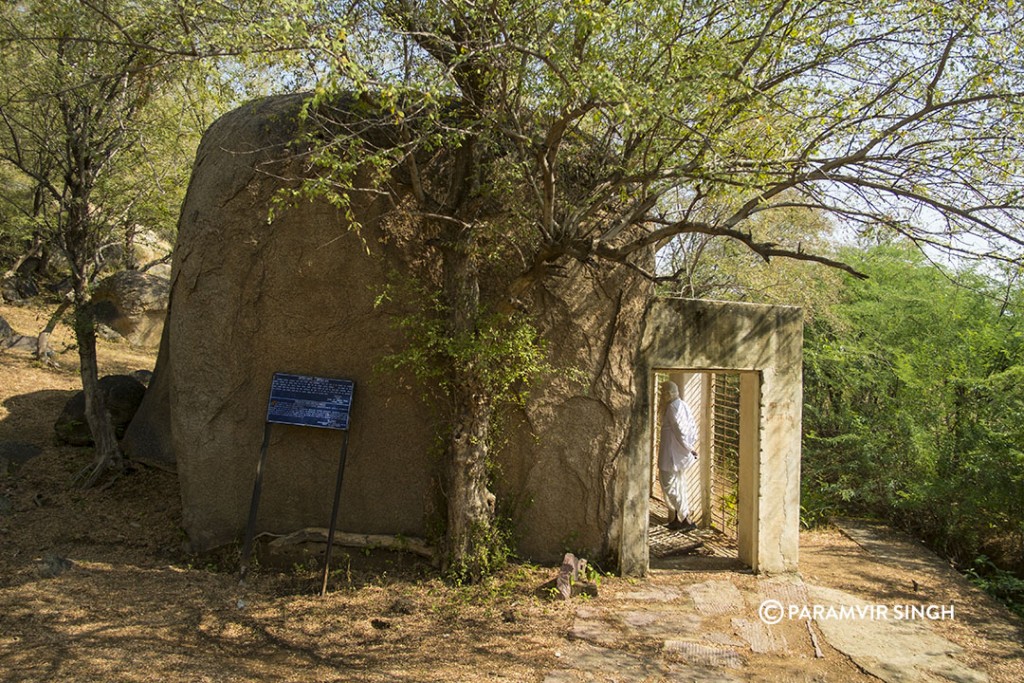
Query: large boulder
column 151, row 253
column 133, row 304
column 250, row 297
column 566, row 447
column 121, row 394
column 18, row 288
column 11, row 340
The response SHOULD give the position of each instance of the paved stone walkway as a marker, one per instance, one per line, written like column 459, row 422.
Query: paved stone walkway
column 706, row 627
column 663, row 632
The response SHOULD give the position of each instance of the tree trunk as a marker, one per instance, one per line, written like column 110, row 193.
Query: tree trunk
column 108, row 454
column 43, row 350
column 469, row 537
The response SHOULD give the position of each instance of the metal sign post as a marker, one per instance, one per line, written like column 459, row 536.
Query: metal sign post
column 334, row 513
column 250, row 527
column 307, row 402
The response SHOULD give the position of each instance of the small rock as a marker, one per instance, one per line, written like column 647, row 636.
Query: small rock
column 144, row 377
column 54, row 565
column 14, row 454
column 19, row 451
column 5, row 331
column 122, row 395
column 401, row 606
column 108, row 334
column 18, row 288
column 380, row 624
column 9, row 339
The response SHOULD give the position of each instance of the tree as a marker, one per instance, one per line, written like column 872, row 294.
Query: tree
column 70, row 107
column 21, row 209
column 912, row 400
column 531, row 133
column 702, row 266
column 536, row 133
column 101, row 107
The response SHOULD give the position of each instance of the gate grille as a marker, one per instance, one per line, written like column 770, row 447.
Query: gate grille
column 725, row 452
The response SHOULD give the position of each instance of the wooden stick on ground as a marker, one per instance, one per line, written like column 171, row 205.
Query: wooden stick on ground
column 818, row 654
column 318, row 535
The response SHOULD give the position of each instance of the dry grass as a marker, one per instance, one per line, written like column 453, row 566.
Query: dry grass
column 134, row 606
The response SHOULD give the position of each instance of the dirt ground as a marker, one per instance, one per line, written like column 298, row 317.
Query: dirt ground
column 95, row 585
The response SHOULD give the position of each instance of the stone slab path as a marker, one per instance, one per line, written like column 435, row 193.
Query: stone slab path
column 708, row 626
column 675, row 629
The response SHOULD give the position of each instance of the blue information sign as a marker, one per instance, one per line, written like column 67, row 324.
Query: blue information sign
column 310, row 401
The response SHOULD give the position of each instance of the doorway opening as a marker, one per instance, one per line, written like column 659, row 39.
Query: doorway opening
column 712, row 483
column 763, row 347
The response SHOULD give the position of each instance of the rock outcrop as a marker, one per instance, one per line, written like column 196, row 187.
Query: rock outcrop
column 121, row 394
column 11, row 340
column 250, row 297
column 133, row 304
column 7, row 333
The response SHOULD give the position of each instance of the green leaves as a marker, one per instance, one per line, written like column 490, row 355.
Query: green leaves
column 880, row 113
column 914, row 384
column 504, row 351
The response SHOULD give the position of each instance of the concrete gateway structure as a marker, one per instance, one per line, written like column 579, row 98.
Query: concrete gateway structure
column 763, row 345
column 250, row 297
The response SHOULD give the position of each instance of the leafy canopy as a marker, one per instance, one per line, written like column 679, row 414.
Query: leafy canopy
column 913, row 395
column 603, row 128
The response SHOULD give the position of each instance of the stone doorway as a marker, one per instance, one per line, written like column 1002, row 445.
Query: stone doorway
column 712, row 484
column 751, row 357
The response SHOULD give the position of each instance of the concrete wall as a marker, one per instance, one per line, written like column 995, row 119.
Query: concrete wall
column 763, row 343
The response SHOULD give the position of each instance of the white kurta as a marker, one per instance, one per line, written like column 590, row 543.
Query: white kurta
column 678, row 436
column 675, row 454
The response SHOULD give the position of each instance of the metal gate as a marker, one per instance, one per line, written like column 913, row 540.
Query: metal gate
column 725, row 452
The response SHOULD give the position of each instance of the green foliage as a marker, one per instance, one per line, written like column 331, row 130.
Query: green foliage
column 525, row 136
column 505, row 354
column 706, row 267
column 914, row 387
column 103, row 105
column 592, row 130
column 17, row 222
column 998, row 582
column 490, row 550
column 99, row 132
column 505, row 350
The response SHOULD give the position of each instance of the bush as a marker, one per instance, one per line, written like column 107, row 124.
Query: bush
column 914, row 385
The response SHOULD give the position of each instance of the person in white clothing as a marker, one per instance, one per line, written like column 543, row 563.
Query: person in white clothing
column 676, row 454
